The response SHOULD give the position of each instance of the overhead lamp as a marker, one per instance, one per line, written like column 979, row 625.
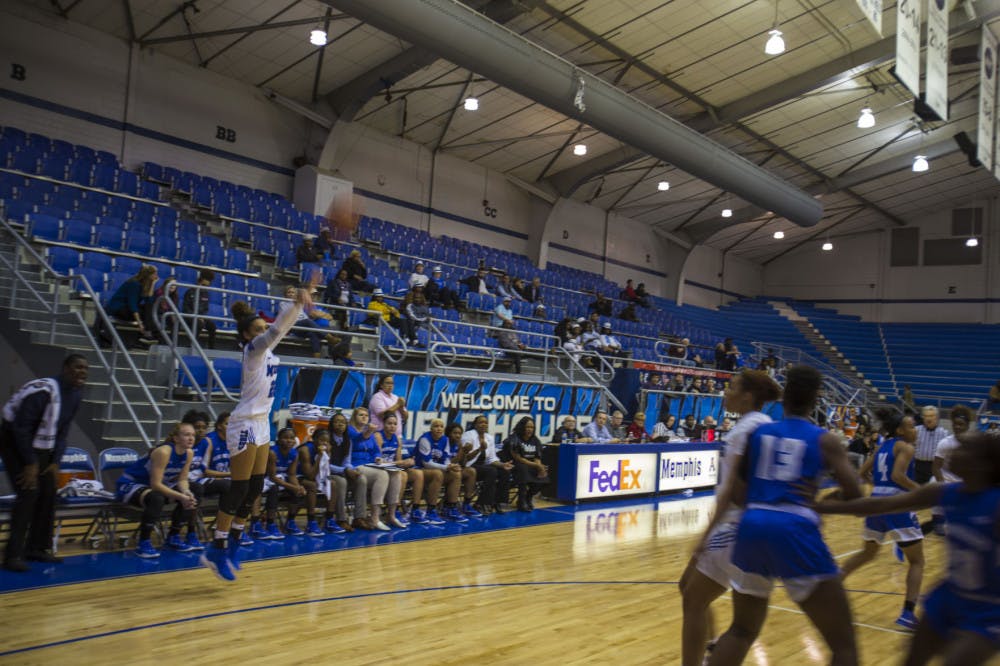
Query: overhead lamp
column 317, row 37
column 778, row 235
column 663, row 186
column 827, row 246
column 920, row 163
column 972, row 242
column 727, row 212
column 471, row 104
column 866, row 119
column 775, row 44
column 580, row 149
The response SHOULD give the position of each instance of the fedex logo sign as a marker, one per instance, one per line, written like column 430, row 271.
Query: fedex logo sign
column 615, row 474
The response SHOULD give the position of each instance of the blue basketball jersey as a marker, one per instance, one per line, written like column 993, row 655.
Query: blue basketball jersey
column 780, row 456
column 364, row 450
column 283, row 460
column 390, row 445
column 428, row 449
column 220, row 453
column 885, row 461
column 197, row 469
column 138, row 472
column 973, row 552
column 310, row 449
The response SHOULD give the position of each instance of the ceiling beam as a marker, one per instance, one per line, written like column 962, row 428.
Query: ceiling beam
column 316, row 20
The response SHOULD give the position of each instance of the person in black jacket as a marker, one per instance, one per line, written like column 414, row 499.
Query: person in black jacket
column 33, row 435
column 525, row 449
column 306, row 252
column 438, row 293
column 199, row 324
column 357, row 272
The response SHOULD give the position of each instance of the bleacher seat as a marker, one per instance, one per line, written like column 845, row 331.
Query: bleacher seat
column 64, row 260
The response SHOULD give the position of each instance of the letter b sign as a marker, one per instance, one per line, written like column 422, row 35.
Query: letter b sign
column 225, row 134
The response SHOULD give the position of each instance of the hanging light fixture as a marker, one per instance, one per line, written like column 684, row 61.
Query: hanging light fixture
column 866, row 119
column 471, row 103
column 920, row 164
column 663, row 186
column 580, row 149
column 827, row 246
column 775, row 43
column 972, row 242
column 727, row 212
column 317, row 37
column 778, row 235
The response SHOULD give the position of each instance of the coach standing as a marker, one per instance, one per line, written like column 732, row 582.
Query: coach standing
column 929, row 434
column 32, row 441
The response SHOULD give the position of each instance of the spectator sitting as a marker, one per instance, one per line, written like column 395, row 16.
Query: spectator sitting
column 562, row 329
column 590, row 338
column 508, row 340
column 708, row 429
column 573, row 344
column 690, row 428
column 617, row 426
column 597, row 430
column 602, row 306
column 525, row 449
column 539, row 311
column 641, row 296
column 307, row 325
column 199, row 324
column 438, row 293
column 417, row 277
column 628, row 313
column 724, row 427
column 567, row 433
column 477, row 282
column 610, row 346
column 678, row 384
column 720, row 356
column 415, row 311
column 637, row 429
column 533, row 291
column 324, row 244
column 859, row 447
column 665, row 428
column 732, row 355
column 338, row 291
column 492, row 473
column 357, row 272
column 654, row 382
column 678, row 348
column 502, row 314
column 306, row 252
column 388, row 314
column 697, row 386
column 315, row 465
column 436, row 452
column 131, row 302
column 167, row 291
column 628, row 293
column 505, row 289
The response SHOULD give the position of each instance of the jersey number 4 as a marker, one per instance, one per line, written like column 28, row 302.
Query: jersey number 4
column 780, row 459
column 882, row 465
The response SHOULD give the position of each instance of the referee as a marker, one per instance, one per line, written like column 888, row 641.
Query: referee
column 929, row 434
column 32, row 441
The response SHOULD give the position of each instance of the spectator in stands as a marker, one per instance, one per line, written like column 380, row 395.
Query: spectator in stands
column 364, row 455
column 442, row 454
column 665, row 428
column 530, row 474
column 502, row 314
column 628, row 313
column 678, row 348
column 720, row 356
column 678, row 384
column 708, row 428
column 508, row 340
column 357, row 272
column 131, row 302
column 418, row 278
column 384, row 402
column 477, row 282
column 562, row 329
column 617, row 426
column 540, row 311
column 492, row 473
column 732, row 355
column 203, row 296
column 690, row 428
column 628, row 293
column 574, row 344
column 568, row 433
column 325, row 244
column 601, row 305
column 306, row 252
column 306, row 325
column 908, row 396
column 343, row 474
column 338, row 292
column 597, row 430
column 654, row 382
column 860, row 447
column 416, row 312
column 609, row 344
column 33, row 438
column 724, row 427
column 439, row 294
column 388, row 314
column 641, row 295
column 533, row 291
column 167, row 291
column 929, row 435
column 637, row 429
column 697, row 385
column 518, row 288
column 506, row 290
column 589, row 337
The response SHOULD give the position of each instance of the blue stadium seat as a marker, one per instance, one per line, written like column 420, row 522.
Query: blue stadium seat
column 213, row 256
column 237, row 260
column 189, row 252
column 95, row 278
column 63, row 260
column 109, row 237
column 127, row 265
column 44, row 227
column 78, row 232
column 98, row 261
column 128, row 183
column 138, row 243
column 166, row 247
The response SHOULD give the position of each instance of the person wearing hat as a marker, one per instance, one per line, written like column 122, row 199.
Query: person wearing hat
column 573, row 344
column 388, row 314
column 438, row 293
column 418, row 278
column 502, row 314
column 609, row 343
column 539, row 312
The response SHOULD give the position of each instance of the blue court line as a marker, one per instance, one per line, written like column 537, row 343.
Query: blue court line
column 346, row 597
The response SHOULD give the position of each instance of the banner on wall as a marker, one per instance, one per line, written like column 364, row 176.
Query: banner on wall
column 429, row 397
column 908, row 17
column 698, row 405
column 872, row 9
column 987, row 97
column 937, row 57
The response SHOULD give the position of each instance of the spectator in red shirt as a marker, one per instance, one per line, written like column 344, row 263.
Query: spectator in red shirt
column 637, row 429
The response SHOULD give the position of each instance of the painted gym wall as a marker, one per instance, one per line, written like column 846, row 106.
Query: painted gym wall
column 711, row 279
column 855, row 278
column 167, row 103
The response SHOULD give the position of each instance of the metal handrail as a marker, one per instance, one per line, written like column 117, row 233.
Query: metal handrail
column 117, row 345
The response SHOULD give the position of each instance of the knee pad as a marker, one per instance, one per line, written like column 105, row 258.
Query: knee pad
column 254, row 487
column 232, row 501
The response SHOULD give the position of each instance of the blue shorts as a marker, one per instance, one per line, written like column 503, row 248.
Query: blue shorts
column 777, row 544
column 946, row 612
column 898, row 527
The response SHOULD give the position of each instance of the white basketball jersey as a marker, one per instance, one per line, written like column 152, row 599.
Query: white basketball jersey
column 260, row 368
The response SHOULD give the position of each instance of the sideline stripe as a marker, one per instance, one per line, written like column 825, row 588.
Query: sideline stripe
column 291, row 604
column 856, row 624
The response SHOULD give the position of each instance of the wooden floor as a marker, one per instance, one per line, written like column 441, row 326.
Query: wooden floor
column 601, row 588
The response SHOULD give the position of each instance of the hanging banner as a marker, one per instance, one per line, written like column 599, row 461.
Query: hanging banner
column 937, row 57
column 987, row 98
column 872, row 9
column 908, row 17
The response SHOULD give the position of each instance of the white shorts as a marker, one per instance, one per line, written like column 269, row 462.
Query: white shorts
column 716, row 561
column 798, row 589
column 243, row 433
